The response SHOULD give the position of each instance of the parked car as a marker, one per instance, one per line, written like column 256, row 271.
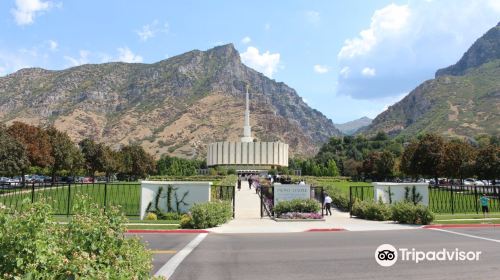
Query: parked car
column 6, row 182
column 87, row 180
column 473, row 182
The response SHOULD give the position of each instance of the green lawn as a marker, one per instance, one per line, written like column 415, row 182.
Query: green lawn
column 441, row 200
column 125, row 195
column 330, row 183
column 465, row 216
column 461, row 222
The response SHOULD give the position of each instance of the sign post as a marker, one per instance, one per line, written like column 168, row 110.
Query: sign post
column 284, row 192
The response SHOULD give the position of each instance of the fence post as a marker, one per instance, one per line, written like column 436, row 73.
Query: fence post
column 362, row 193
column 261, row 194
column 350, row 201
column 105, row 196
column 234, row 200
column 452, row 200
column 475, row 199
column 68, row 206
column 322, row 201
column 32, row 192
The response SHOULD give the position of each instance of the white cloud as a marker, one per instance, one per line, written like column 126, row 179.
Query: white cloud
column 313, row 17
column 3, row 71
column 246, row 40
column 25, row 10
column 344, row 72
column 126, row 55
column 53, row 45
column 495, row 5
column 386, row 21
column 368, row 72
column 267, row 26
column 406, row 44
column 150, row 30
column 83, row 58
column 321, row 69
column 266, row 62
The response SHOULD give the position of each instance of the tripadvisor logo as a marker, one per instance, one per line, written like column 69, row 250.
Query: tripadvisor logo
column 387, row 255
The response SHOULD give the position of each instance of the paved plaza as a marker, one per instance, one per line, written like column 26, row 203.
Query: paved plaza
column 248, row 220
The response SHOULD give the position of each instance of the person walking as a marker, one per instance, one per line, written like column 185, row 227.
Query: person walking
column 484, row 204
column 328, row 204
column 250, row 181
column 239, row 183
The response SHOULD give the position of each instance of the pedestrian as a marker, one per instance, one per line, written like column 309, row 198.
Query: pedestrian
column 239, row 183
column 484, row 204
column 250, row 181
column 328, row 204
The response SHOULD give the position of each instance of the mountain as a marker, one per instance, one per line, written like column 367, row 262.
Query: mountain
column 462, row 101
column 350, row 128
column 485, row 49
column 176, row 106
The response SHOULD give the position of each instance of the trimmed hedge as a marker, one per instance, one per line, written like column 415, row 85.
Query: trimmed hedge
column 409, row 213
column 207, row 215
column 402, row 212
column 297, row 205
column 371, row 210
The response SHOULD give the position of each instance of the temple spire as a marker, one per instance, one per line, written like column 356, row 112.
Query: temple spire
column 247, row 129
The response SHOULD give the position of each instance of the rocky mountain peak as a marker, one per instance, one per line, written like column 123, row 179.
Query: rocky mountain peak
column 484, row 50
column 175, row 106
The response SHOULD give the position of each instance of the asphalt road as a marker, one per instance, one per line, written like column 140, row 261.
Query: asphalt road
column 328, row 255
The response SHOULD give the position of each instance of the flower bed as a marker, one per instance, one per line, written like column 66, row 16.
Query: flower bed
column 300, row 216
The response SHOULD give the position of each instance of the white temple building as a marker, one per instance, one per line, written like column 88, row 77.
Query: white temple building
column 247, row 154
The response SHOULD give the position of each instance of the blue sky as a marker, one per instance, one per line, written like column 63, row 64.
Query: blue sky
column 347, row 59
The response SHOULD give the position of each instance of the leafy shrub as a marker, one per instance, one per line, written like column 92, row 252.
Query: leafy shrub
column 171, row 216
column 151, row 217
column 339, row 200
column 210, row 214
column 186, row 221
column 409, row 213
column 402, row 212
column 297, row 205
column 91, row 246
column 371, row 210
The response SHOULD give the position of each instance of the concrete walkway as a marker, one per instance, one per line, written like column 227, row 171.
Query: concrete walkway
column 247, row 219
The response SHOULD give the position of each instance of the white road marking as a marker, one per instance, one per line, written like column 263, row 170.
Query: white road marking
column 168, row 269
column 467, row 235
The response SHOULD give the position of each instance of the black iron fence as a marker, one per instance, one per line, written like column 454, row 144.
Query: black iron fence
column 266, row 194
column 63, row 196
column 462, row 199
column 224, row 193
column 444, row 198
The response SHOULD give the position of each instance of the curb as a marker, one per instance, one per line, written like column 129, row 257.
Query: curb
column 167, row 231
column 325, row 229
column 463, row 226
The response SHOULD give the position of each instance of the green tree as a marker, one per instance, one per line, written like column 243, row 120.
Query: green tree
column 352, row 168
column 459, row 159
column 385, row 164
column 488, row 162
column 428, row 158
column 137, row 163
column 331, row 168
column 13, row 156
column 407, row 165
column 65, row 153
column 97, row 157
column 111, row 161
